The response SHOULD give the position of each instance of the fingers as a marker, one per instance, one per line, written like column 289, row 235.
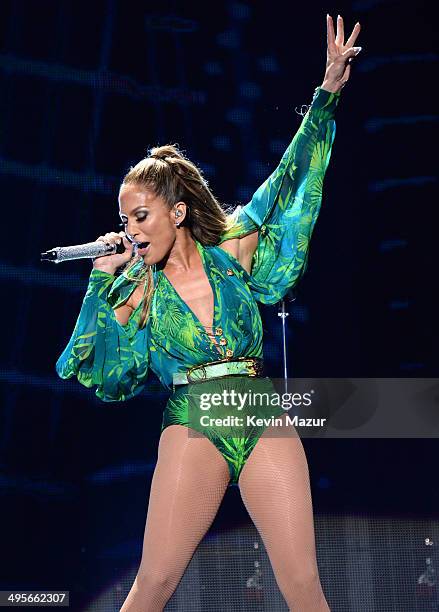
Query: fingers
column 353, row 37
column 339, row 40
column 330, row 32
column 339, row 65
column 350, row 53
column 111, row 238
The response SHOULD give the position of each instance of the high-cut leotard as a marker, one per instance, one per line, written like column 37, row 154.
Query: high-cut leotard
column 116, row 358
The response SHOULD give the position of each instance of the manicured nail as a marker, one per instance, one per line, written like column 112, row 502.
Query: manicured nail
column 357, row 50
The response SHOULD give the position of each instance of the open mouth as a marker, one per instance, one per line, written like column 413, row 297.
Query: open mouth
column 142, row 247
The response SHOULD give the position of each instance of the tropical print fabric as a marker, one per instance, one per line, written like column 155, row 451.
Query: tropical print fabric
column 226, row 426
column 116, row 358
column 285, row 207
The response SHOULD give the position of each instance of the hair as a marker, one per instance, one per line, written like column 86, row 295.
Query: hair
column 171, row 175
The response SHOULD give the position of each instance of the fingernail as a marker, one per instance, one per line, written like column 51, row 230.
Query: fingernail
column 357, row 50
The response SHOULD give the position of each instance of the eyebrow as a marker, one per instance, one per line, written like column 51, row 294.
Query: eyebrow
column 133, row 211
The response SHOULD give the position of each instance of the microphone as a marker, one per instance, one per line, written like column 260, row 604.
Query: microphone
column 82, row 251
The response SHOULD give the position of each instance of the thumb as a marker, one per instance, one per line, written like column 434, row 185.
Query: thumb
column 351, row 52
column 129, row 246
column 346, row 75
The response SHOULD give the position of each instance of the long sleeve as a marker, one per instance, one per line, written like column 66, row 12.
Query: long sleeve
column 103, row 352
column 285, row 208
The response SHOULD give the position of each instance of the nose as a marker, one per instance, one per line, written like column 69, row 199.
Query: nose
column 131, row 234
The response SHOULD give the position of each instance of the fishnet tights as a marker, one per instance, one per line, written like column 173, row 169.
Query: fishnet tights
column 188, row 485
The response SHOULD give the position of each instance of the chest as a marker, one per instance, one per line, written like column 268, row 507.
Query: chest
column 195, row 290
column 212, row 308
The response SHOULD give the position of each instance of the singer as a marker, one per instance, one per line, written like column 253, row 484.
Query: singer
column 185, row 306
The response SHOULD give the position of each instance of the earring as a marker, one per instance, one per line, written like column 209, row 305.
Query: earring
column 178, row 213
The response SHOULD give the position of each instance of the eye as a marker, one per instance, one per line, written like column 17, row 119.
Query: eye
column 141, row 218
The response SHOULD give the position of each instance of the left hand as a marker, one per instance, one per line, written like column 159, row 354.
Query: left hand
column 339, row 55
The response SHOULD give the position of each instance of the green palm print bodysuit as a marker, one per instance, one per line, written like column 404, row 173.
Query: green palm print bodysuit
column 116, row 358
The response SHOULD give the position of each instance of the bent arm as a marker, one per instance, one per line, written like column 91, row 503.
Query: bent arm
column 101, row 350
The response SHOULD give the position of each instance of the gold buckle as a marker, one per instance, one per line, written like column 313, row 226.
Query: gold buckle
column 255, row 366
column 252, row 366
column 252, row 369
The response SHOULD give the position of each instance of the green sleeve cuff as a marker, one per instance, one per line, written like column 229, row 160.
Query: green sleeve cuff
column 100, row 274
column 99, row 282
column 325, row 100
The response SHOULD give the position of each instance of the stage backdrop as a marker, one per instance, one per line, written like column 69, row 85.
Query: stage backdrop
column 86, row 89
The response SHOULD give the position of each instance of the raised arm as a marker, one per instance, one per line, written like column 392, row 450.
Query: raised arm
column 275, row 227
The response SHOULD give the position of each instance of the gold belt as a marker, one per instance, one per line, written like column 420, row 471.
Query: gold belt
column 239, row 366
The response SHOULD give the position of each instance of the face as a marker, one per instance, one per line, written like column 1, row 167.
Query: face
column 148, row 221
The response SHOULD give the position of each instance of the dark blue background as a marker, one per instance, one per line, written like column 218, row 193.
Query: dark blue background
column 86, row 89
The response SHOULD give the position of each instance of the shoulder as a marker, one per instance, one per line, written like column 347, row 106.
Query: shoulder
column 242, row 249
column 225, row 258
column 240, row 238
column 231, row 246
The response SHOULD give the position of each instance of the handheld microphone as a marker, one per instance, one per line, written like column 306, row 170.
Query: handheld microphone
column 82, row 251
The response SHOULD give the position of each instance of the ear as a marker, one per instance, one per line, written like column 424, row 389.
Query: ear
column 179, row 212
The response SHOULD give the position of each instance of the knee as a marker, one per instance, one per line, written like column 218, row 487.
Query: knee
column 301, row 586
column 159, row 580
column 304, row 579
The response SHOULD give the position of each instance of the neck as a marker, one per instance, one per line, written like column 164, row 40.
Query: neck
column 184, row 252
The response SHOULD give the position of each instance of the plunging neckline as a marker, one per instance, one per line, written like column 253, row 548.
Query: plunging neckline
column 189, row 309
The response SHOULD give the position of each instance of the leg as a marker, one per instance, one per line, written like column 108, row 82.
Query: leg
column 188, row 485
column 275, row 488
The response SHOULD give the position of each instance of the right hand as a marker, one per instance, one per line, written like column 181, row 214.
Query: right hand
column 110, row 263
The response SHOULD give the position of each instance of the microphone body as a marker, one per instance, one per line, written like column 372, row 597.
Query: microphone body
column 82, row 251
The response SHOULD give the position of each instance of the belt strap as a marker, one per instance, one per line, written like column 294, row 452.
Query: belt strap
column 250, row 366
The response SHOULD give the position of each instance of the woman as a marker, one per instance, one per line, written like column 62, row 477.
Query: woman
column 188, row 299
